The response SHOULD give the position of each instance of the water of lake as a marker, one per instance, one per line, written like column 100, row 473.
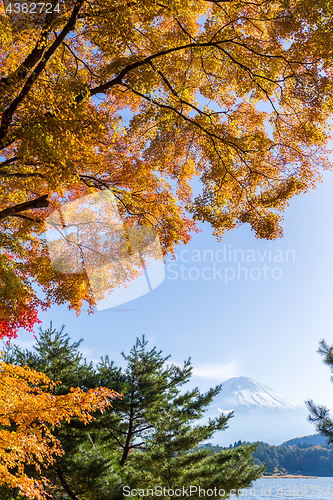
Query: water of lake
column 288, row 489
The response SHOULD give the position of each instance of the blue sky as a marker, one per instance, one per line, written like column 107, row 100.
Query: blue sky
column 265, row 329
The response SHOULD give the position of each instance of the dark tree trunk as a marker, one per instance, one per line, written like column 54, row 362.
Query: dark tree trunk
column 128, row 440
column 65, row 485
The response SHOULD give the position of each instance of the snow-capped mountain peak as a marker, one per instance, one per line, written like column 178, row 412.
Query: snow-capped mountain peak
column 260, row 414
column 240, row 393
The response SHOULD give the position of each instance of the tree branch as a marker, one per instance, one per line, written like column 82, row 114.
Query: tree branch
column 9, row 161
column 65, row 485
column 115, row 437
column 128, row 440
column 118, row 79
column 40, row 202
column 27, row 218
column 9, row 112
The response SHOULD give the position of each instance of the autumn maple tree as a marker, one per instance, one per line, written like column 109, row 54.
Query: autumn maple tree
column 29, row 412
column 236, row 93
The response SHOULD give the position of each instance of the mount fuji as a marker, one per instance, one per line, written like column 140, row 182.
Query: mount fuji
column 243, row 392
column 260, row 414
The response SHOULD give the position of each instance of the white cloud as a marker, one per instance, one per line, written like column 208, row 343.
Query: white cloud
column 221, row 372
column 87, row 353
column 23, row 344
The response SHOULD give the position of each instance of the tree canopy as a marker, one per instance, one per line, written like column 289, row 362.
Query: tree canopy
column 29, row 413
column 148, row 438
column 235, row 93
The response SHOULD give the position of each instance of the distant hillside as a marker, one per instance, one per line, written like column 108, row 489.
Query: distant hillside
column 301, row 459
column 308, row 461
column 313, row 440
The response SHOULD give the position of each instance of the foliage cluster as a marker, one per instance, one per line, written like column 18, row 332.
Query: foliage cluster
column 30, row 411
column 236, row 93
column 149, row 438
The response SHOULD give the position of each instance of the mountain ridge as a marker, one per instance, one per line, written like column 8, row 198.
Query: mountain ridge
column 240, row 393
column 311, row 440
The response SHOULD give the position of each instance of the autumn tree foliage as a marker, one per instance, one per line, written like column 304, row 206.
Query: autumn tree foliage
column 29, row 413
column 236, row 93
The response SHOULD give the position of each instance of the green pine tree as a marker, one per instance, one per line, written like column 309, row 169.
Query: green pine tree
column 150, row 438
column 156, row 428
column 320, row 415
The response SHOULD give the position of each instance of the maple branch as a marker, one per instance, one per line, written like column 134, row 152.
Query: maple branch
column 184, row 30
column 9, row 112
column 9, row 161
column 227, row 171
column 27, row 218
column 40, row 202
column 188, row 119
column 175, row 93
column 28, row 63
column 232, row 21
column 77, row 58
column 119, row 78
column 246, row 68
column 98, row 183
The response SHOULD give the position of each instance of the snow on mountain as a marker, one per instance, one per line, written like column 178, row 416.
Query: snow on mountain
column 243, row 392
column 260, row 414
